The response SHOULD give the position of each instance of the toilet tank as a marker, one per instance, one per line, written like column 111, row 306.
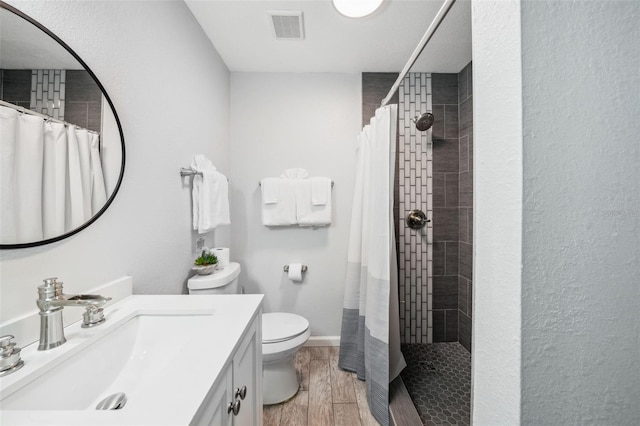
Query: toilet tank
column 223, row 281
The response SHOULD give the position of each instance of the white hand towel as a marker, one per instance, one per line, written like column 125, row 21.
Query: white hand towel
column 210, row 196
column 306, row 213
column 270, row 190
column 297, row 173
column 320, row 190
column 282, row 213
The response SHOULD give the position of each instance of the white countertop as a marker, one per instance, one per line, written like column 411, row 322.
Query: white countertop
column 174, row 397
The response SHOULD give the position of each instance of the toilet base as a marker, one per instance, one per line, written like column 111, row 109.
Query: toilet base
column 280, row 381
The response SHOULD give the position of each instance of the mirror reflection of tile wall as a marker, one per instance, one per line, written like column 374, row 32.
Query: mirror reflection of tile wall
column 69, row 95
column 47, row 92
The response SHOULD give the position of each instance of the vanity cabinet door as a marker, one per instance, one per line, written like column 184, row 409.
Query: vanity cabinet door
column 214, row 409
column 247, row 377
column 220, row 401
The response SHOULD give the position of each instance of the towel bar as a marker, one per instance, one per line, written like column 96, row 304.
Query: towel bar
column 188, row 172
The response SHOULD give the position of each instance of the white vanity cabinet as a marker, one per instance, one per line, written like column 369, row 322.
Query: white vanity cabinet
column 236, row 397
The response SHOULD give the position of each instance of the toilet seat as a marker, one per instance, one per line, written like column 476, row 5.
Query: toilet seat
column 280, row 326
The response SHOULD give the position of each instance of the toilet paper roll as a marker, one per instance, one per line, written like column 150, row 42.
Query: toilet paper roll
column 222, row 253
column 295, row 271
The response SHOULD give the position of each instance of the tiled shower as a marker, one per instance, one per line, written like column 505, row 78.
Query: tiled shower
column 434, row 173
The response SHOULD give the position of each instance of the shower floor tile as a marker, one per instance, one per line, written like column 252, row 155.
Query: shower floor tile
column 438, row 378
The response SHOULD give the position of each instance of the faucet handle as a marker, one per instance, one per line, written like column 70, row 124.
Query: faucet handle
column 92, row 316
column 10, row 360
column 50, row 282
column 6, row 345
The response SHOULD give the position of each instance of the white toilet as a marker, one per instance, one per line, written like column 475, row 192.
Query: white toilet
column 282, row 335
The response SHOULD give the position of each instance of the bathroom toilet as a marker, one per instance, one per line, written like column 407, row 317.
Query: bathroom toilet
column 282, row 335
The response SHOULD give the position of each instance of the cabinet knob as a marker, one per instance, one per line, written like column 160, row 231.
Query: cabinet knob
column 241, row 393
column 234, row 407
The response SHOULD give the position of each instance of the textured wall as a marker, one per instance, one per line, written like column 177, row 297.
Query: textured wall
column 581, row 222
column 147, row 231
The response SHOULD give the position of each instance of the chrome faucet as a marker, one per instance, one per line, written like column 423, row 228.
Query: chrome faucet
column 51, row 300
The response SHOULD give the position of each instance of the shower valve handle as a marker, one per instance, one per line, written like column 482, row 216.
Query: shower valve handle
column 416, row 219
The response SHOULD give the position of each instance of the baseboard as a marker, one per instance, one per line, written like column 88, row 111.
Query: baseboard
column 323, row 341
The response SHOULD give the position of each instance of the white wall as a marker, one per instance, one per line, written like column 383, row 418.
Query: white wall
column 497, row 215
column 171, row 92
column 281, row 121
column 581, row 222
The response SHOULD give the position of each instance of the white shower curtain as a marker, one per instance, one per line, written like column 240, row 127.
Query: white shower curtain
column 51, row 178
column 369, row 343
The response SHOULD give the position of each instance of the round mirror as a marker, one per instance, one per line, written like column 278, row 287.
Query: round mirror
column 62, row 149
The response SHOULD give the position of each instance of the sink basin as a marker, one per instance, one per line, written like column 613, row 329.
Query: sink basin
column 164, row 353
column 140, row 350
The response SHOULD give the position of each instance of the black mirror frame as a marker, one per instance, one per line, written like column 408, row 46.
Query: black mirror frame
column 17, row 12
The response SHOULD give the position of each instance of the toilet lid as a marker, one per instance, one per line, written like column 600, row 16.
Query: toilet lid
column 280, row 326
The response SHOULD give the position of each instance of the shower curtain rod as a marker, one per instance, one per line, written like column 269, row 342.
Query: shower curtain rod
column 43, row 116
column 423, row 42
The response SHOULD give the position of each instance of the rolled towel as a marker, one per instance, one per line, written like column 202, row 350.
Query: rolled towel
column 297, row 173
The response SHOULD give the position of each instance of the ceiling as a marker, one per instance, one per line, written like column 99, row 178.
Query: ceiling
column 25, row 46
column 382, row 42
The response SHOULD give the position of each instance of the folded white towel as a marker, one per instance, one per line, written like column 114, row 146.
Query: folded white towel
column 283, row 212
column 297, row 173
column 210, row 196
column 308, row 214
column 320, row 190
column 270, row 190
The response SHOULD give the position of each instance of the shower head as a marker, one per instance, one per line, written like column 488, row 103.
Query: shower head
column 424, row 122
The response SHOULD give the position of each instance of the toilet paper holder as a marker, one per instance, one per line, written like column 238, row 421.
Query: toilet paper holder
column 286, row 268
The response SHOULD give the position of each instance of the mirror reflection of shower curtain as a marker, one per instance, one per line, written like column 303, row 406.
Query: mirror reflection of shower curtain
column 366, row 327
column 51, row 178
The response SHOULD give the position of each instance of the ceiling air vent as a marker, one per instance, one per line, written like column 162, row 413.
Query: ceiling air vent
column 287, row 25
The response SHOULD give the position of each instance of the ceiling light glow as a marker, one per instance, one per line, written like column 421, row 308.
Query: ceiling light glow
column 356, row 8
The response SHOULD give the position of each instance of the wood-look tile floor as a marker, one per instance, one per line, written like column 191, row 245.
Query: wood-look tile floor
column 328, row 396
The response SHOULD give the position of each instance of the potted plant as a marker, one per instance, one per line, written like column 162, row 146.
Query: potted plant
column 206, row 263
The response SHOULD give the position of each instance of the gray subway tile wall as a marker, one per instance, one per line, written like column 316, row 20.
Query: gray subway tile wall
column 84, row 100
column 15, row 87
column 446, row 172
